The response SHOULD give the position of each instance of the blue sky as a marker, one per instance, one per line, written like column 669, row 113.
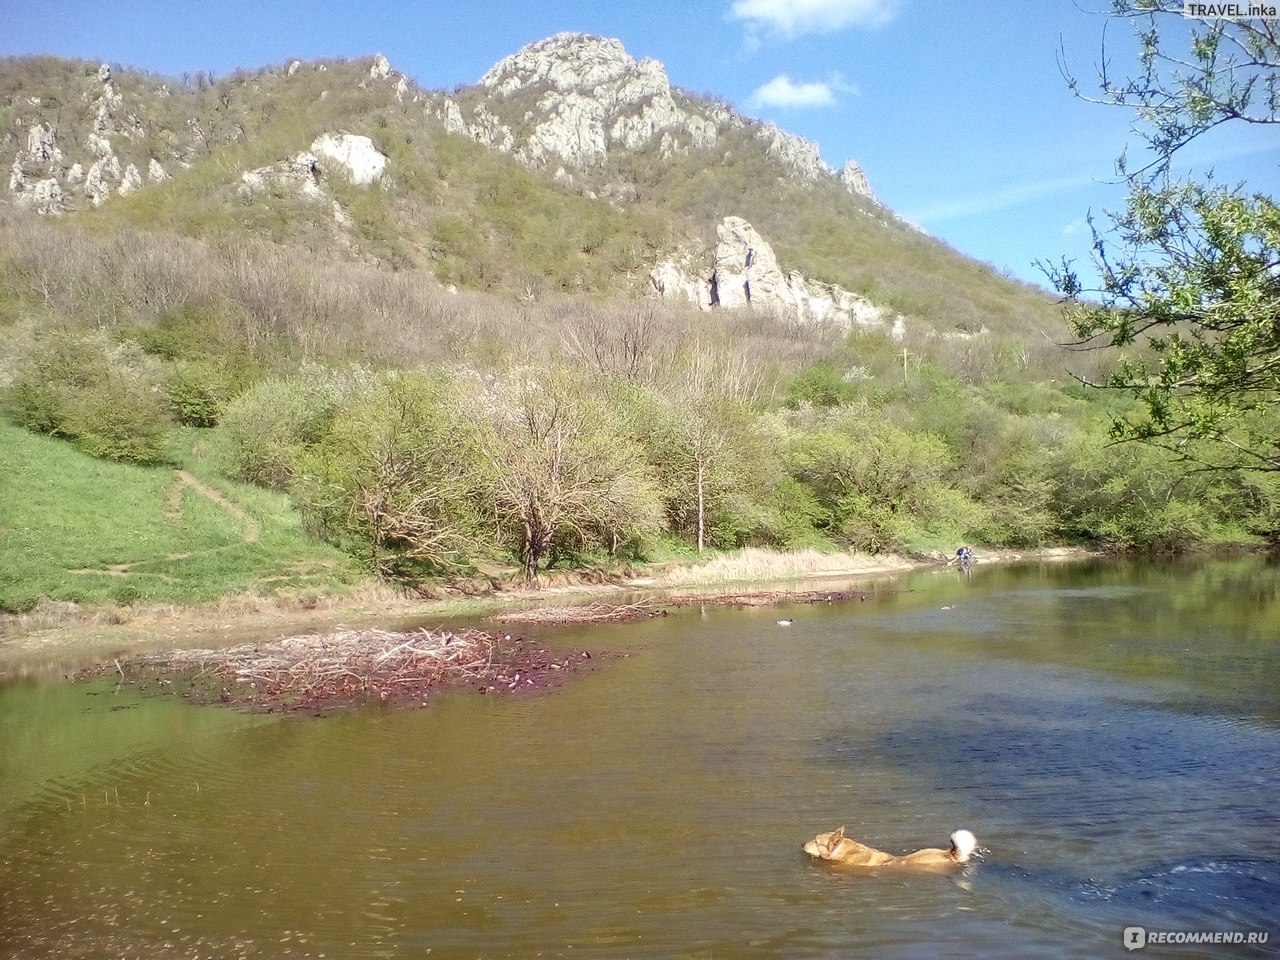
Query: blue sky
column 957, row 109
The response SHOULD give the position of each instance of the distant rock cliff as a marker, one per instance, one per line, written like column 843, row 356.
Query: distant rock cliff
column 564, row 104
column 44, row 177
column 127, row 140
column 742, row 271
column 572, row 99
column 567, row 105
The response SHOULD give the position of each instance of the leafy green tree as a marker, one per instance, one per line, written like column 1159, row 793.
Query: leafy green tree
column 701, row 432
column 1255, row 500
column 883, row 487
column 1134, row 496
column 1190, row 268
column 398, row 478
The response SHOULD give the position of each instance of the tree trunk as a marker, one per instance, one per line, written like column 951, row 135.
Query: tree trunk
column 702, row 507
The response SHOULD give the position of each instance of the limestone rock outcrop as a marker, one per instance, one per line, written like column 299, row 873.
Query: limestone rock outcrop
column 743, row 272
column 358, row 159
column 104, row 174
column 680, row 278
column 108, row 103
column 589, row 97
column 43, row 178
column 36, row 171
column 572, row 99
column 746, row 271
column 796, row 154
column 380, row 69
column 130, row 181
column 297, row 176
column 855, row 180
column 353, row 157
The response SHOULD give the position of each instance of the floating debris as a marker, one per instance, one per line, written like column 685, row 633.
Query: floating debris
column 318, row 671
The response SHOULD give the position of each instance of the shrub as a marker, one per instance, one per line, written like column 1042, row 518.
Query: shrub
column 118, row 421
column 397, row 480
column 820, row 386
column 199, row 390
column 105, row 401
column 59, row 366
column 271, row 424
column 882, row 487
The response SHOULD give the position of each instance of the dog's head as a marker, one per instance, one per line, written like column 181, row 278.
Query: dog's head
column 825, row 845
column 963, row 845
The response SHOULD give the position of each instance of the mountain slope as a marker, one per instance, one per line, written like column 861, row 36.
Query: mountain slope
column 571, row 167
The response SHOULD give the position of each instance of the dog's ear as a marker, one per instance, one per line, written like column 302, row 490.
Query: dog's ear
column 833, row 841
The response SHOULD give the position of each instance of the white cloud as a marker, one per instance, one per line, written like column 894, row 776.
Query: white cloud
column 996, row 201
column 793, row 18
column 1076, row 226
column 782, row 91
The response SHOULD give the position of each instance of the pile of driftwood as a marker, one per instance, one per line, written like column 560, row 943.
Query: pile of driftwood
column 588, row 613
column 347, row 666
column 767, row 598
column 599, row 612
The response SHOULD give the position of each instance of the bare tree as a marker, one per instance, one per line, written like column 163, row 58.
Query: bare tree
column 629, row 341
column 561, row 470
column 714, row 393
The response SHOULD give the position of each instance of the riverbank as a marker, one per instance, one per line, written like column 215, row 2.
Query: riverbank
column 63, row 637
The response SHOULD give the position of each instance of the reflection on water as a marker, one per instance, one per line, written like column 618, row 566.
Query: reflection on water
column 1110, row 733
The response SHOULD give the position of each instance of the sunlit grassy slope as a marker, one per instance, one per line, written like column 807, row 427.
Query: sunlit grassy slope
column 85, row 530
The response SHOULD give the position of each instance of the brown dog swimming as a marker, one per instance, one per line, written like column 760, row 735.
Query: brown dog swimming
column 838, row 848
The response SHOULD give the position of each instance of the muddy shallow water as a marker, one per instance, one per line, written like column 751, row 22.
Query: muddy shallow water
column 1110, row 732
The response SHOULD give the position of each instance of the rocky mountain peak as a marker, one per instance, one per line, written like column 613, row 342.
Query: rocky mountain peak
column 579, row 63
column 591, row 97
column 572, row 99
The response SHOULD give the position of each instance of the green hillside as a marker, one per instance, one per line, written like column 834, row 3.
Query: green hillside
column 76, row 528
column 480, row 219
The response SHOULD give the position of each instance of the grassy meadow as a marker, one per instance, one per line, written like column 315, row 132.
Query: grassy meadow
column 75, row 528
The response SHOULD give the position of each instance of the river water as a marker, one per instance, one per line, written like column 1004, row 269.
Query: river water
column 1111, row 733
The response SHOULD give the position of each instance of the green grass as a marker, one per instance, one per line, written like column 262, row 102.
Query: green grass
column 78, row 529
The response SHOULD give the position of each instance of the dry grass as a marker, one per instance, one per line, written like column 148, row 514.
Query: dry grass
column 758, row 565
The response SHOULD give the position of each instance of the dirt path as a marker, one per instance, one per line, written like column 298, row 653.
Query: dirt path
column 251, row 531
